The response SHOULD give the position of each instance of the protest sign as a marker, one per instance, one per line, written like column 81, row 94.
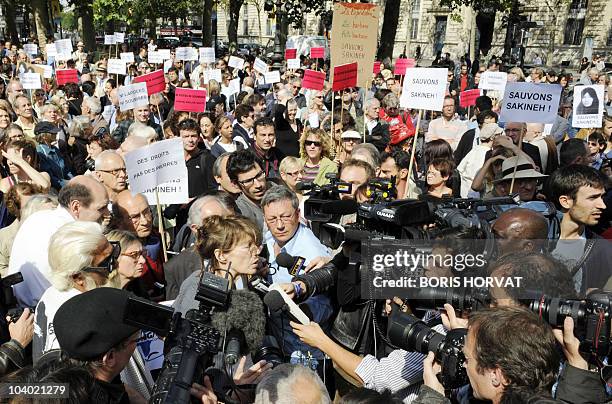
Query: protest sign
column 47, row 71
column 493, row 81
column 167, row 65
column 150, row 166
column 119, row 37
column 313, row 79
column 212, row 74
column 376, row 68
column 207, row 55
column 290, row 53
column 187, row 99
column 260, row 66
column 116, row 66
column 64, row 76
column 110, row 39
column 235, row 62
column 63, row 49
column 468, row 98
column 233, row 87
column 164, row 54
column 355, row 38
column 588, row 106
column 127, row 57
column 401, row 65
column 155, row 57
column 345, row 76
column 317, row 53
column 133, row 96
column 30, row 48
column 530, row 102
column 186, row 53
column 50, row 50
column 170, row 193
column 293, row 64
column 107, row 112
column 424, row 88
column 155, row 81
column 272, row 77
column 30, row 81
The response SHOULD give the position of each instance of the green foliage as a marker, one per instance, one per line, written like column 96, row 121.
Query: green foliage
column 69, row 21
column 479, row 5
column 296, row 10
column 133, row 13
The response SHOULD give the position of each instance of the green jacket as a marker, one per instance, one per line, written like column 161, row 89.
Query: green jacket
column 325, row 166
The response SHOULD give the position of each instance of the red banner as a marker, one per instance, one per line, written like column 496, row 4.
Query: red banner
column 468, row 98
column 401, row 65
column 290, row 54
column 345, row 76
column 155, row 81
column 376, row 69
column 64, row 76
column 313, row 79
column 317, row 53
column 186, row 99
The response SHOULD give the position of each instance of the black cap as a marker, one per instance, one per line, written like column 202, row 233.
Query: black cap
column 88, row 325
column 45, row 127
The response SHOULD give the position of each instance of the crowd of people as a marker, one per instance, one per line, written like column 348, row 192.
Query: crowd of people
column 84, row 243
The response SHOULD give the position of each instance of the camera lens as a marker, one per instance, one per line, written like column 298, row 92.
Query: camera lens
column 269, row 351
column 554, row 310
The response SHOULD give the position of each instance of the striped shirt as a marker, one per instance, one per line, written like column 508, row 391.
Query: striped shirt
column 310, row 173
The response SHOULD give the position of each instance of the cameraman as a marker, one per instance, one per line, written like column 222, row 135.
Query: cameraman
column 504, row 365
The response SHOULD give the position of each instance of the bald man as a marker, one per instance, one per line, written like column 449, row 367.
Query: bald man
column 111, row 172
column 520, row 229
column 83, row 198
column 132, row 143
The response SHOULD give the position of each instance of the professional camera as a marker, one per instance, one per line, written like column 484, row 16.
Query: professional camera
column 320, row 196
column 592, row 323
column 408, row 332
column 462, row 299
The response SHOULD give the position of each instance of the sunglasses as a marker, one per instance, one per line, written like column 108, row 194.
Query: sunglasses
column 312, row 143
column 106, row 267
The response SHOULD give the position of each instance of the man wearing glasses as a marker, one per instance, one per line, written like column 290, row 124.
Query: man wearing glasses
column 296, row 87
column 515, row 133
column 111, row 172
column 245, row 170
column 448, row 126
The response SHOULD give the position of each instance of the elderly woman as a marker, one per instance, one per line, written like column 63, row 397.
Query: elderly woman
column 315, row 152
column 291, row 172
column 64, row 106
column 130, row 263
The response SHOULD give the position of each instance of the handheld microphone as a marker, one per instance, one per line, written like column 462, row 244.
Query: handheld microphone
column 293, row 264
column 277, row 299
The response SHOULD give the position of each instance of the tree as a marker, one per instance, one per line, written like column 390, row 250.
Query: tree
column 389, row 28
column 207, row 36
column 83, row 10
column 9, row 17
column 41, row 21
column 233, row 9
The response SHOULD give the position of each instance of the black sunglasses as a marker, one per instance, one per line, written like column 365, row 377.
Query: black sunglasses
column 106, row 267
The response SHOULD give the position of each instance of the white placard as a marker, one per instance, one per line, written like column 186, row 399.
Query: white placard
column 165, row 53
column 530, row 103
column 30, row 81
column 30, row 48
column 108, row 111
column 167, row 65
column 48, row 71
column 293, row 64
column 424, row 88
column 133, row 96
column 236, row 62
column 109, row 40
column 260, row 66
column 493, row 81
column 63, row 49
column 119, row 37
column 186, row 53
column 207, row 55
column 313, row 120
column 155, row 57
column 212, row 74
column 588, row 106
column 234, row 86
column 116, row 66
column 170, row 193
column 127, row 57
column 156, row 164
column 50, row 50
column 272, row 77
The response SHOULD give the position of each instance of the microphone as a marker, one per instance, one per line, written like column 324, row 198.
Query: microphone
column 276, row 299
column 343, row 207
column 293, row 264
column 304, row 186
column 245, row 313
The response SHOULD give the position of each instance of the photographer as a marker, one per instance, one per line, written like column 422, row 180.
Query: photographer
column 508, row 366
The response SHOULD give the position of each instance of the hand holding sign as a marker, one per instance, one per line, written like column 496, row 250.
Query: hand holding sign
column 588, row 106
column 468, row 98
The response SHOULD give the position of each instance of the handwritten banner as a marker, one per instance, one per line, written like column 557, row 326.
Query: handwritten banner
column 207, row 55
column 401, row 65
column 468, row 98
column 424, row 88
column 30, row 81
column 260, row 66
column 272, row 77
column 159, row 163
column 119, row 37
column 30, row 48
column 530, row 103
column 155, row 57
column 155, row 81
column 236, row 62
column 313, row 79
column 290, row 53
column 317, row 53
column 64, row 76
column 212, row 74
column 133, row 96
column 50, row 50
column 186, row 99
column 345, row 76
column 293, row 64
column 110, row 39
column 186, row 53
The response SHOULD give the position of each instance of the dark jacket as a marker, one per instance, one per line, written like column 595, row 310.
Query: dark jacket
column 465, row 145
column 121, row 131
column 596, row 269
column 199, row 174
column 287, row 140
column 12, row 357
column 178, row 269
column 108, row 393
column 239, row 131
column 380, row 135
column 271, row 161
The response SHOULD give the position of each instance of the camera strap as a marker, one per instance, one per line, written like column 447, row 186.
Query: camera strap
column 587, row 250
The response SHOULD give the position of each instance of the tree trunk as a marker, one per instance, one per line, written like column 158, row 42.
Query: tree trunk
column 41, row 21
column 232, row 26
column 512, row 20
column 552, row 42
column 389, row 28
column 86, row 25
column 207, row 38
column 258, row 8
column 10, row 17
column 284, row 31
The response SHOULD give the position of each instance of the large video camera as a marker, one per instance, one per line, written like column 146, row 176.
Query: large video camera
column 408, row 332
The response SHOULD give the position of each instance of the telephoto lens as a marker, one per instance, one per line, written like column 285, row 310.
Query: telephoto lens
column 269, row 351
column 408, row 332
column 462, row 299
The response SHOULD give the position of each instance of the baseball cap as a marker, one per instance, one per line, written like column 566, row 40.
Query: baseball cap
column 45, row 127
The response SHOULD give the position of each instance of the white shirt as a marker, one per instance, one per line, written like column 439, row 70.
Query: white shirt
column 451, row 131
column 469, row 167
column 30, row 252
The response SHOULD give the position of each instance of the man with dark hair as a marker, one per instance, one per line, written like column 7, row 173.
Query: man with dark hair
column 574, row 151
column 199, row 161
column 395, row 166
column 577, row 191
column 243, row 129
column 265, row 137
column 245, row 170
column 83, row 198
column 448, row 126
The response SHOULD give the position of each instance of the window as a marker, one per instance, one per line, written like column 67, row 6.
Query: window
column 245, row 20
column 270, row 26
column 573, row 31
column 415, row 28
column 578, row 4
column 609, row 36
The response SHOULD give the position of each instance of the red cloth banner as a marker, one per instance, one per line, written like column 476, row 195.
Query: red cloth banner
column 376, row 69
column 313, row 79
column 317, row 53
column 186, row 99
column 401, row 65
column 64, row 76
column 468, row 98
column 290, row 54
column 345, row 76
column 155, row 81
